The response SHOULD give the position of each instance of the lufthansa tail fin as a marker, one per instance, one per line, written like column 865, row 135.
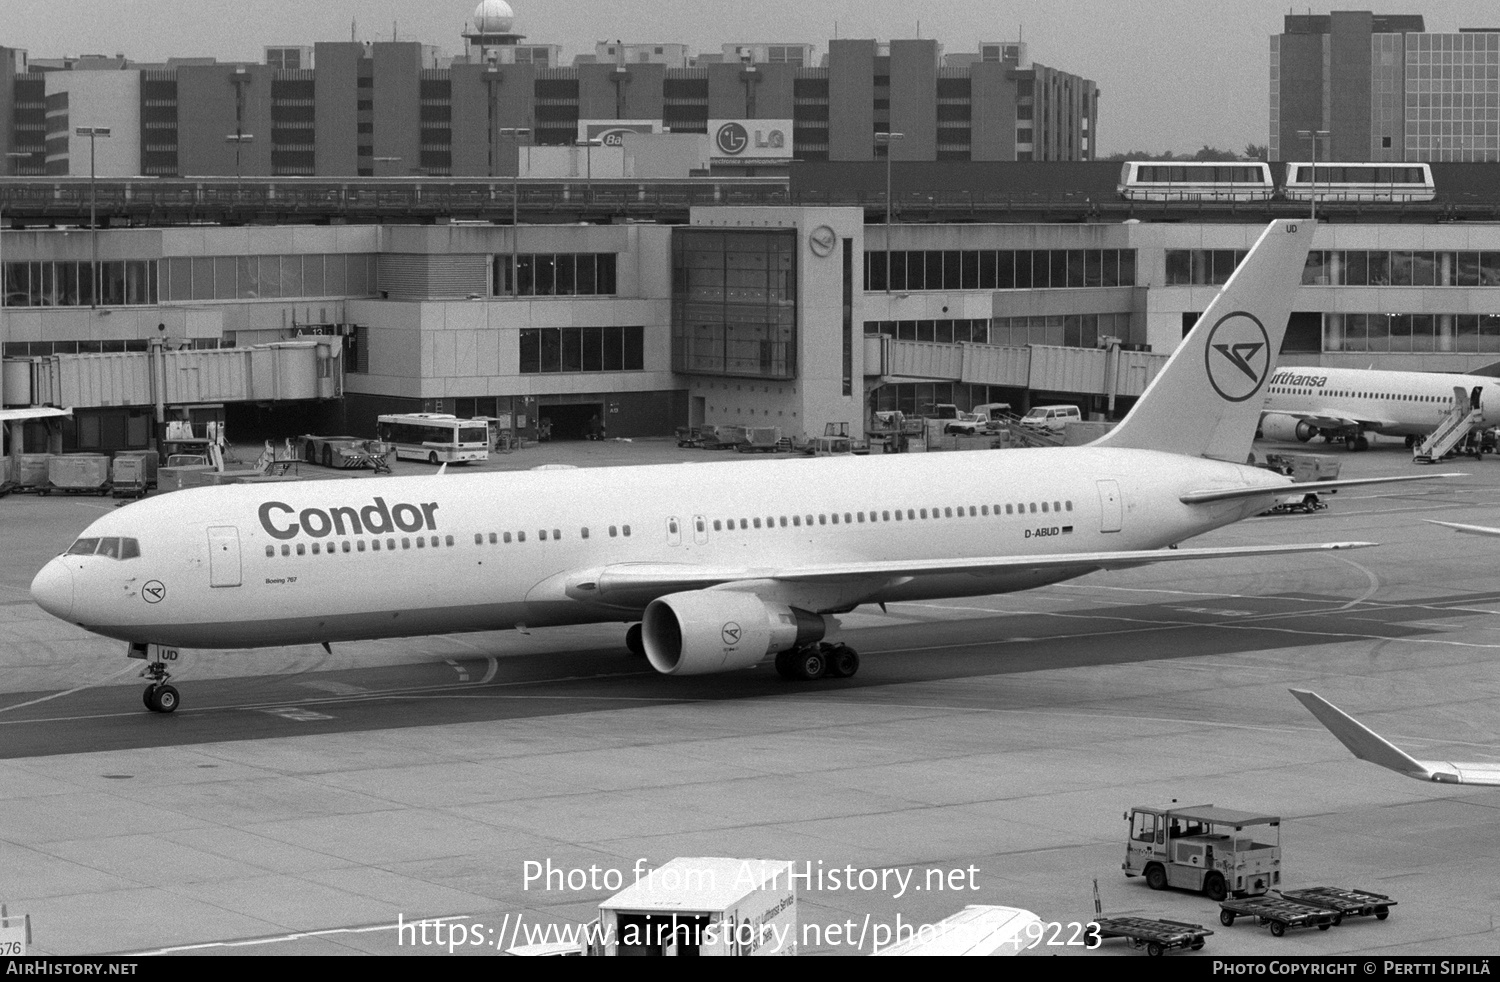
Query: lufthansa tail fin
column 1207, row 399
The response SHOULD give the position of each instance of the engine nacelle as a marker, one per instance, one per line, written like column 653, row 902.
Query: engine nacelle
column 701, row 631
column 1277, row 426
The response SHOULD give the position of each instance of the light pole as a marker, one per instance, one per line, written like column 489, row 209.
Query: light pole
column 93, row 133
column 588, row 179
column 239, row 140
column 888, row 140
column 1313, row 136
column 515, row 204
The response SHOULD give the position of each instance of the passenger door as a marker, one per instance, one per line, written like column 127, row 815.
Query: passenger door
column 1110, row 509
column 223, row 556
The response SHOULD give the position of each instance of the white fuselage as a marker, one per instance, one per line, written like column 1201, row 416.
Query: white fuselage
column 319, row 561
column 1394, row 403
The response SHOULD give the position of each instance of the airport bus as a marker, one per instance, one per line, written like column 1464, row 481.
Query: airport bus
column 437, row 438
column 1359, row 182
column 1150, row 180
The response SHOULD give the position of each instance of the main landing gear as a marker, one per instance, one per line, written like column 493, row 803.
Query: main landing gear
column 817, row 661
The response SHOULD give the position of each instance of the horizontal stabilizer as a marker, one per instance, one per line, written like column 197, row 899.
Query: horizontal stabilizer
column 1469, row 529
column 1368, row 745
column 1278, row 490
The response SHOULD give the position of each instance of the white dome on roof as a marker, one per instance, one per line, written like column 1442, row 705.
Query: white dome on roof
column 493, row 17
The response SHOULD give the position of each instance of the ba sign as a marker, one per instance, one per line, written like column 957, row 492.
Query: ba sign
column 611, row 132
column 751, row 139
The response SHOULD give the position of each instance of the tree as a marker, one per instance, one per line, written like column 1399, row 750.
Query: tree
column 1257, row 151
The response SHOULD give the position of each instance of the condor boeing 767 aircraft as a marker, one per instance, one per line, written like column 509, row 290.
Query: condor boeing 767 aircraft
column 721, row 564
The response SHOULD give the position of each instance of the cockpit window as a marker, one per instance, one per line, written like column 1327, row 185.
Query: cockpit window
column 115, row 547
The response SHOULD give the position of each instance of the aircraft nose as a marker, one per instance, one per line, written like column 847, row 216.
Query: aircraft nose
column 52, row 589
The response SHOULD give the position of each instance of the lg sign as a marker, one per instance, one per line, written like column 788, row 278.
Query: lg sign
column 751, row 137
column 732, row 139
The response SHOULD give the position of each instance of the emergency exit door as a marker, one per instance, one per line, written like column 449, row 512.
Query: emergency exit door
column 1110, row 509
column 223, row 556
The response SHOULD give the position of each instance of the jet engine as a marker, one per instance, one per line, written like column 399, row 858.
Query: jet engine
column 1277, row 426
column 701, row 631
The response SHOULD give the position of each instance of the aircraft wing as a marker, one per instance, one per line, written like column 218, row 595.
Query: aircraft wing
column 1278, row 490
column 1470, row 529
column 631, row 584
column 1332, row 419
column 1366, row 744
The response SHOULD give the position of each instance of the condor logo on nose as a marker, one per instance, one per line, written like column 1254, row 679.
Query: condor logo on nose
column 374, row 519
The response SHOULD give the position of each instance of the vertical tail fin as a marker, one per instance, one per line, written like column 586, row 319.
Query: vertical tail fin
column 1206, row 401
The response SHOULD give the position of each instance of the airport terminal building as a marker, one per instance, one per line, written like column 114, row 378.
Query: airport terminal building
column 794, row 317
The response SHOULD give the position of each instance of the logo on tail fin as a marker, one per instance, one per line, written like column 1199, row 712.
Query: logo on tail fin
column 1237, row 356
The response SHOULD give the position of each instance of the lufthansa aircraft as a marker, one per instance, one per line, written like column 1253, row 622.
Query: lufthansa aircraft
column 1346, row 403
column 721, row 564
column 1366, row 744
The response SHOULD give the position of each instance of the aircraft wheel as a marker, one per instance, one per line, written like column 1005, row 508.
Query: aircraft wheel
column 633, row 641
column 811, row 664
column 164, row 699
column 1156, row 877
column 843, row 661
column 1362, row 443
column 147, row 698
column 1215, row 887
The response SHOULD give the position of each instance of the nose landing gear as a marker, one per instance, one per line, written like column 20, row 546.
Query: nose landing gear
column 158, row 696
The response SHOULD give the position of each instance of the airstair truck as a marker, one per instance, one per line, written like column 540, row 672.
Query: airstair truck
column 694, row 906
column 1200, row 847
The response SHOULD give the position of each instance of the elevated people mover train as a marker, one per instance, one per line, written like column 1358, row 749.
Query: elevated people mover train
column 1241, row 180
column 1386, row 182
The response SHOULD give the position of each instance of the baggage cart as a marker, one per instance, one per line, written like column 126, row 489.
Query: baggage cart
column 81, row 473
column 1279, row 914
column 128, row 477
column 689, row 436
column 1347, row 902
column 1156, row 936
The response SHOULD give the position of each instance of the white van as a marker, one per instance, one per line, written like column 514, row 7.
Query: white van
column 1051, row 417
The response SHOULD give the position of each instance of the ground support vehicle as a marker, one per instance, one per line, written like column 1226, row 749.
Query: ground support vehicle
column 1301, row 467
column 689, row 436
column 1157, row 937
column 1280, row 914
column 344, row 452
column 1201, row 847
column 760, row 439
column 1345, row 902
column 699, row 906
